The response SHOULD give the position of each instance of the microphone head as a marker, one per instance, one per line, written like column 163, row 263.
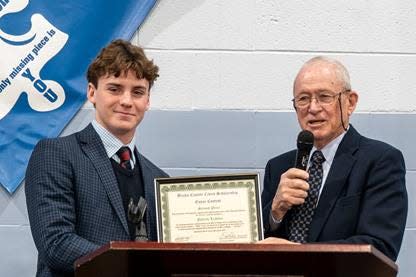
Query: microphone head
column 305, row 140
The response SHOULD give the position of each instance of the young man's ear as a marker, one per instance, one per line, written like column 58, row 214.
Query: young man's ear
column 148, row 102
column 91, row 93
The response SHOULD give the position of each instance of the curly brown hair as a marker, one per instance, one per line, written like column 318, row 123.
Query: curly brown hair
column 119, row 57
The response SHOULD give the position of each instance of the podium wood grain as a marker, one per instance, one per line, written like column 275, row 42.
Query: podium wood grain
column 202, row 259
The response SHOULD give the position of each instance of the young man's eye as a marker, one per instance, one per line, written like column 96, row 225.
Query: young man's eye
column 113, row 89
column 139, row 92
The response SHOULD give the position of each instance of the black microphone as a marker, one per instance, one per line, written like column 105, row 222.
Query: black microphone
column 305, row 144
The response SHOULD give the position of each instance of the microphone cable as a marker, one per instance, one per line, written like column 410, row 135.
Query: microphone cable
column 340, row 109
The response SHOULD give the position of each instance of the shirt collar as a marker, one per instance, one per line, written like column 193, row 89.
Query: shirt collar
column 111, row 143
column 330, row 149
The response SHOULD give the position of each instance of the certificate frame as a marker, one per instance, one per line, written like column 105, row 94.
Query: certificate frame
column 173, row 192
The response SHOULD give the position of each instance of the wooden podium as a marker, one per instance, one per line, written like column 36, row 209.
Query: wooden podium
column 201, row 259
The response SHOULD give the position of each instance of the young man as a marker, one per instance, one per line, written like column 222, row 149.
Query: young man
column 78, row 187
column 354, row 190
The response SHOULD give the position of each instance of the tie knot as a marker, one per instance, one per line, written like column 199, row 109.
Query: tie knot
column 318, row 157
column 124, row 154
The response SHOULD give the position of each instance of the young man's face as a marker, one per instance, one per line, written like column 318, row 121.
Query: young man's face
column 120, row 103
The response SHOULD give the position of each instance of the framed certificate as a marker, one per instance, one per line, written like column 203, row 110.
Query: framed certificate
column 216, row 208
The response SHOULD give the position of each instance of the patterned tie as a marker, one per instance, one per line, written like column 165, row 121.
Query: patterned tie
column 124, row 155
column 302, row 215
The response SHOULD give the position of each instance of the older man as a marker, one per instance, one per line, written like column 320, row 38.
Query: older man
column 354, row 188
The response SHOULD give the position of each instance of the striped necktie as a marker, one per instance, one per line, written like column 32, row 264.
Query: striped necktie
column 303, row 214
column 125, row 155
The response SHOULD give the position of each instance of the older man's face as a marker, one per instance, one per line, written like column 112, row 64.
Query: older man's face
column 323, row 120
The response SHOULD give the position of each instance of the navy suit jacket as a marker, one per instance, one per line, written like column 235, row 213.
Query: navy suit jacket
column 364, row 200
column 73, row 200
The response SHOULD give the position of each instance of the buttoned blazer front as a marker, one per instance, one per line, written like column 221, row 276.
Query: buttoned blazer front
column 363, row 201
column 73, row 200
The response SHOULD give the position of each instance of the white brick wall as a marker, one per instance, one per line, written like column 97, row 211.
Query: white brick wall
column 245, row 54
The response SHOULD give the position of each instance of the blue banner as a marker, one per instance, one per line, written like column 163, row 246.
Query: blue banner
column 45, row 49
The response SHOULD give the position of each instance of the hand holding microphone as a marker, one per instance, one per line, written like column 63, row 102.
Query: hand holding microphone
column 293, row 187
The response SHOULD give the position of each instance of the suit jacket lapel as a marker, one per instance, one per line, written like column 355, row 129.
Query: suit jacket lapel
column 148, row 182
column 336, row 180
column 95, row 151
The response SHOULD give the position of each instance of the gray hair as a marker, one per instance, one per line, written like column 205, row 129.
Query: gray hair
column 340, row 70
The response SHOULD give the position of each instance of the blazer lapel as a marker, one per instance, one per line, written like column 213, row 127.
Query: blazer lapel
column 95, row 151
column 148, row 180
column 336, row 180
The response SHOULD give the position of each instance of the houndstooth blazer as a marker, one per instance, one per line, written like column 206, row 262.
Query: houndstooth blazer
column 73, row 200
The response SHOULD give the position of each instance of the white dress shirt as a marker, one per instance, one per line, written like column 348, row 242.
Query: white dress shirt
column 112, row 144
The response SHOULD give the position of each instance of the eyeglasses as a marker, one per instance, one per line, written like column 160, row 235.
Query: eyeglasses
column 323, row 98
